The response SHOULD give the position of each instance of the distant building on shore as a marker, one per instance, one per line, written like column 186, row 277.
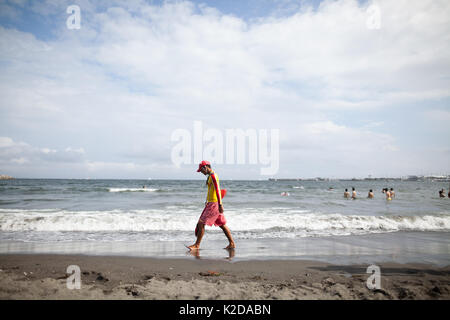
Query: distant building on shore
column 435, row 178
column 441, row 178
column 5, row 177
column 298, row 179
column 438, row 178
column 410, row 178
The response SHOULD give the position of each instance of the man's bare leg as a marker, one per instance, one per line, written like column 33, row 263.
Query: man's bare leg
column 229, row 237
column 200, row 233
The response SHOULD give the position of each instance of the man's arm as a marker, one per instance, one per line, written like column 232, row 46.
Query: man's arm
column 207, row 192
column 217, row 189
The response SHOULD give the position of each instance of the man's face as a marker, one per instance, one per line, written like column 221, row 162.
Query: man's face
column 204, row 170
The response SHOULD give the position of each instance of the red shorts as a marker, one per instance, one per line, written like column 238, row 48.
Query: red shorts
column 211, row 215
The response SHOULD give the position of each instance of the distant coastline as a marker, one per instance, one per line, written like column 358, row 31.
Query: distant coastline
column 406, row 178
column 5, row 177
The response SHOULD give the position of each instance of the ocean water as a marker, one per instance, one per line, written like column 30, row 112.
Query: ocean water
column 165, row 212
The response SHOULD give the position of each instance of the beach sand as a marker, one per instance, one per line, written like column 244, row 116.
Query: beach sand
column 43, row 276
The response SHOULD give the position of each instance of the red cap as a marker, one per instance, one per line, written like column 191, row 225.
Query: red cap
column 202, row 164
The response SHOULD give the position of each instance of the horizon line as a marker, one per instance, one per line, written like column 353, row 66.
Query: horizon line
column 320, row 179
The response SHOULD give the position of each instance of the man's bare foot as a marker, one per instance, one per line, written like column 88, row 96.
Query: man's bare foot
column 193, row 247
column 231, row 246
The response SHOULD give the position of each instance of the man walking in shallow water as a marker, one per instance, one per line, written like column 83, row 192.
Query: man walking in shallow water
column 213, row 211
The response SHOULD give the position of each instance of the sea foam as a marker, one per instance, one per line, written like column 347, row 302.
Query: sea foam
column 251, row 222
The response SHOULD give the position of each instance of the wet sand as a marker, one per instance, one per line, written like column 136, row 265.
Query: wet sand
column 399, row 247
column 43, row 276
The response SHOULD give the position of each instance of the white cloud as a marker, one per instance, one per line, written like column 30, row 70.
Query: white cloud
column 438, row 115
column 339, row 150
column 6, row 142
column 75, row 150
column 21, row 152
column 47, row 150
column 20, row 160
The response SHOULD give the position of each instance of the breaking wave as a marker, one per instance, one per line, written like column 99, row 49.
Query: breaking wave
column 251, row 223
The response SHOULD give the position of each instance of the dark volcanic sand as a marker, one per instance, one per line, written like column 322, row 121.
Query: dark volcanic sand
column 31, row 276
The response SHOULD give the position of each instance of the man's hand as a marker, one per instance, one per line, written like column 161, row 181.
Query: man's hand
column 221, row 208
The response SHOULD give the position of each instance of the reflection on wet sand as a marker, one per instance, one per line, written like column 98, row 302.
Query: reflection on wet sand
column 196, row 253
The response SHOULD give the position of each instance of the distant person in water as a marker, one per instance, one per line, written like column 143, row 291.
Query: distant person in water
column 346, row 194
column 392, row 193
column 388, row 194
column 370, row 195
column 213, row 211
column 353, row 193
column 442, row 193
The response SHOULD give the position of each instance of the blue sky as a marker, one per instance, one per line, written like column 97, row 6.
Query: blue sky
column 348, row 99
